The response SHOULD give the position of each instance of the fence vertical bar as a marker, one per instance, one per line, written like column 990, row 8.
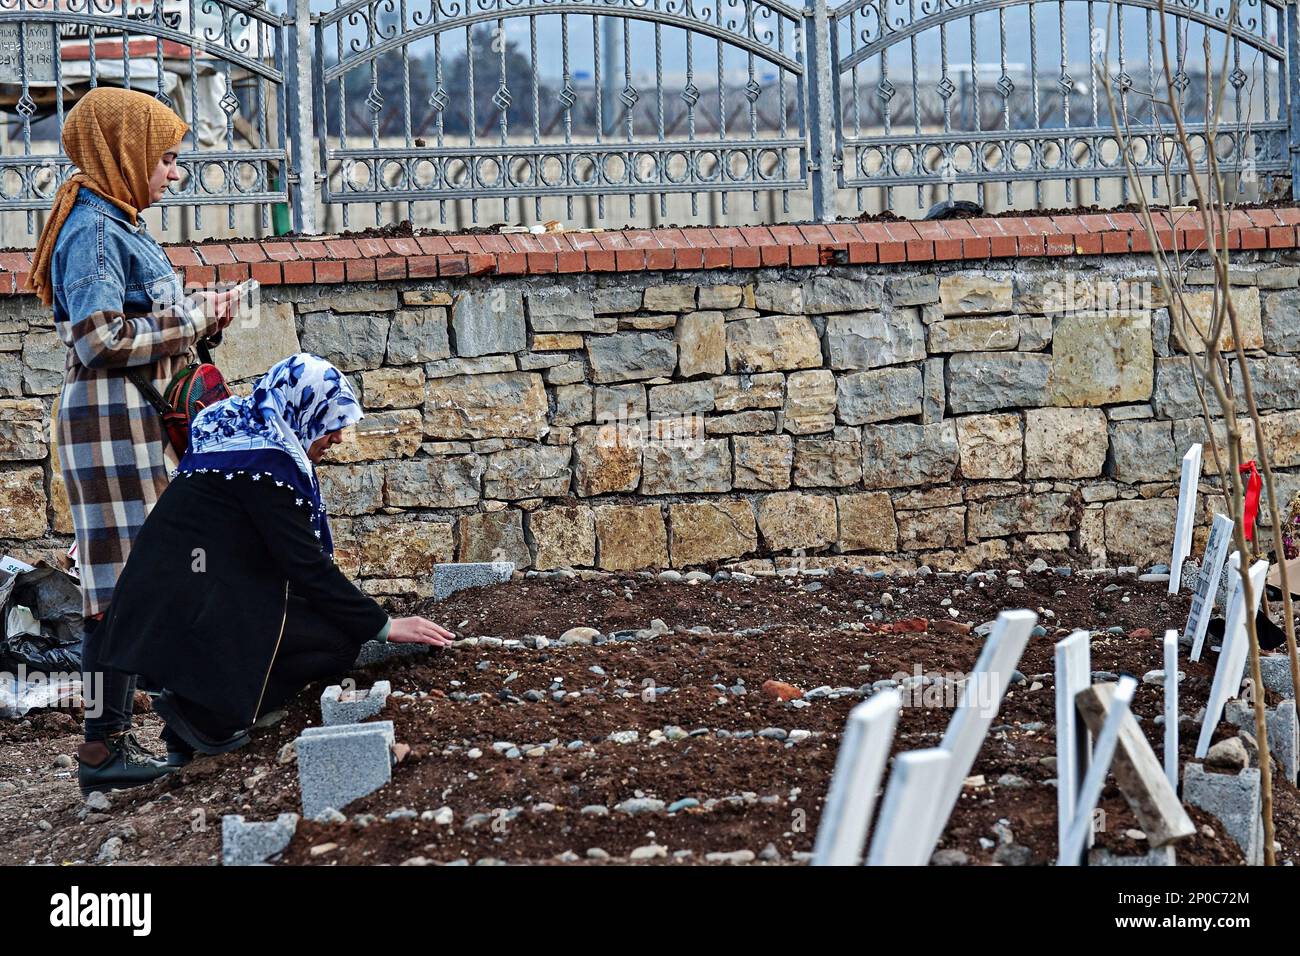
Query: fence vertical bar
column 1293, row 93
column 820, row 69
column 299, row 80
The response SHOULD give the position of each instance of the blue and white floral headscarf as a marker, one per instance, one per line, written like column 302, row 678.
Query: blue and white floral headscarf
column 267, row 434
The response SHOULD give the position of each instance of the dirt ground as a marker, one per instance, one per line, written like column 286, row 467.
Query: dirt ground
column 694, row 723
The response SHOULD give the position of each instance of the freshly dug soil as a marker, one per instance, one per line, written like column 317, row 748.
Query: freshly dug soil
column 887, row 216
column 405, row 229
column 755, row 793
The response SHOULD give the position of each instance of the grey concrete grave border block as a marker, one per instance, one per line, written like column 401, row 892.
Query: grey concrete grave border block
column 245, row 843
column 1234, row 800
column 1283, row 731
column 1276, row 671
column 334, row 711
column 1163, row 856
column 376, row 652
column 339, row 764
column 450, row 578
column 343, row 730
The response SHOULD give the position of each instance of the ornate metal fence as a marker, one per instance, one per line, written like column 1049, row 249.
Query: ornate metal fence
column 615, row 102
column 218, row 63
column 501, row 99
column 936, row 91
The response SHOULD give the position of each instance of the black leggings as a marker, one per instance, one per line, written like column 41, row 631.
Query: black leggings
column 109, row 693
column 312, row 648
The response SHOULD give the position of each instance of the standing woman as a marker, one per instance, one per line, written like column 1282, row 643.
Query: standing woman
column 117, row 304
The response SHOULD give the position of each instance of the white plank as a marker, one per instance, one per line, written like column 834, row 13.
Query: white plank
column 1073, row 673
column 1233, row 654
column 915, row 788
column 1171, row 707
column 1187, row 488
column 1207, row 587
column 979, row 703
column 1071, row 848
column 1241, row 645
column 859, row 765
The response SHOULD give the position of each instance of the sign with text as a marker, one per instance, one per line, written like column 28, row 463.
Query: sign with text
column 1207, row 588
column 26, row 53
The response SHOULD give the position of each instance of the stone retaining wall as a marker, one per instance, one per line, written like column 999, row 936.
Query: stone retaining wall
column 886, row 415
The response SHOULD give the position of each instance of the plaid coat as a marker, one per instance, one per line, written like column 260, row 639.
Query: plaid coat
column 117, row 303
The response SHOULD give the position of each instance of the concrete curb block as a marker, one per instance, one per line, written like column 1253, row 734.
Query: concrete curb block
column 252, row 844
column 1164, row 856
column 1283, row 731
column 376, row 652
column 339, row 764
column 1234, row 800
column 1276, row 671
column 450, row 578
column 336, row 707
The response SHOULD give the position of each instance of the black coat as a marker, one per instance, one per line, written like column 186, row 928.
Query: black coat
column 200, row 607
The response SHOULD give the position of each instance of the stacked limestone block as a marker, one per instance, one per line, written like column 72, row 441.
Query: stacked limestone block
column 880, row 415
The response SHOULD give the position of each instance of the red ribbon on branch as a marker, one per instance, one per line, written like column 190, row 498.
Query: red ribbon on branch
column 1254, row 483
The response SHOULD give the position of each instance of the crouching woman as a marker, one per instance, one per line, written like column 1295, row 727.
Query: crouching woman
column 231, row 601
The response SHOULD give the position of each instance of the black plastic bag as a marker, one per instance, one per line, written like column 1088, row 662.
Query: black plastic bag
column 54, row 599
column 1271, row 637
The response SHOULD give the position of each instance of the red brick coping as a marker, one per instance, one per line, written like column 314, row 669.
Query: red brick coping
column 303, row 261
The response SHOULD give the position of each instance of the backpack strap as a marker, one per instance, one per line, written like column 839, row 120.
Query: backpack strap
column 136, row 374
column 205, row 347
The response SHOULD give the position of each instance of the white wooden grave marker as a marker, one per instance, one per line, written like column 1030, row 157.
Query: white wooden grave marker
column 1071, row 848
column 1207, row 587
column 1137, row 771
column 864, row 749
column 1073, row 674
column 1232, row 656
column 980, row 699
column 1187, row 487
column 907, row 815
column 1171, row 707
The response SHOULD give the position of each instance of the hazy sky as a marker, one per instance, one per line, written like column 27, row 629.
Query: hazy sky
column 990, row 50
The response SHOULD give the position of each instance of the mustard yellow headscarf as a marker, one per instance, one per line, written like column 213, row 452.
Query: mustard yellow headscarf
column 115, row 138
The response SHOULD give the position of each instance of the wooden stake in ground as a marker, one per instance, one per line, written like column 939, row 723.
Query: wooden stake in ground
column 1171, row 708
column 1070, row 851
column 907, row 815
column 980, row 699
column 1233, row 654
column 1073, row 673
column 858, row 768
column 1190, row 476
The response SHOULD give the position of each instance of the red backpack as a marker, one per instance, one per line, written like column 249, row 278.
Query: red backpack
column 191, row 390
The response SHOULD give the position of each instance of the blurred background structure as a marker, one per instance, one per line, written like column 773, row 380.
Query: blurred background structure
column 456, row 113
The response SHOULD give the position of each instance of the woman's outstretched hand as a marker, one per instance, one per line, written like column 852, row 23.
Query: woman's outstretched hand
column 417, row 630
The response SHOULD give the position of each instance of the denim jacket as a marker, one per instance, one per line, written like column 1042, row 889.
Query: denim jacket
column 104, row 265
column 117, row 304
